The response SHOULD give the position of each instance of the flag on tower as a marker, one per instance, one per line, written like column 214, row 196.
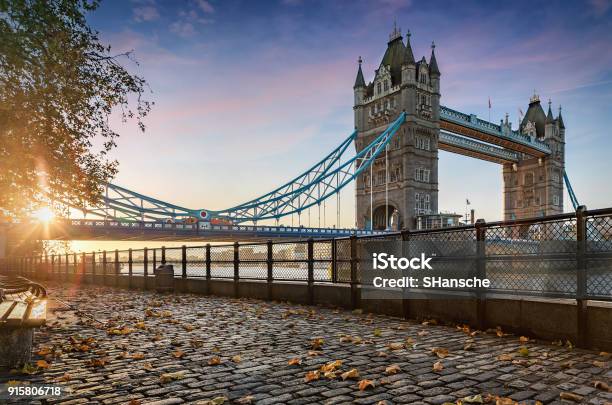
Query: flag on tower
column 489, row 102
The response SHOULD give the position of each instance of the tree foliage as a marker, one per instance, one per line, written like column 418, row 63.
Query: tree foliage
column 59, row 86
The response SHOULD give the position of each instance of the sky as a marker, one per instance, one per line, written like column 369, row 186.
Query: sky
column 249, row 94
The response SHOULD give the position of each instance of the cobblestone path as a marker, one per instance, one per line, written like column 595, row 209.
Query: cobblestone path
column 185, row 348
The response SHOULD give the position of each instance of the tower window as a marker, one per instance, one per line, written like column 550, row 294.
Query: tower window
column 555, row 199
column 422, row 174
column 386, row 85
column 378, row 90
column 422, row 142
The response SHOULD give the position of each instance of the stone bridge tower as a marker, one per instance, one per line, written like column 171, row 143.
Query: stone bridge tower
column 403, row 182
column 533, row 187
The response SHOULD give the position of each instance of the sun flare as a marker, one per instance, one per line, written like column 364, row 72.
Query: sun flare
column 44, row 214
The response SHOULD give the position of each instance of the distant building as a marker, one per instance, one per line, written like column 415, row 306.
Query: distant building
column 436, row 221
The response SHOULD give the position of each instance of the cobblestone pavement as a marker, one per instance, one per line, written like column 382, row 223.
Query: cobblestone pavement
column 210, row 350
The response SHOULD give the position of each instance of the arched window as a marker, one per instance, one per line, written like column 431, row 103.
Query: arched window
column 386, row 85
column 378, row 88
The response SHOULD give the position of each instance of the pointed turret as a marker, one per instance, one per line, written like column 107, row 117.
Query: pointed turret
column 549, row 115
column 408, row 55
column 560, row 119
column 433, row 64
column 359, row 80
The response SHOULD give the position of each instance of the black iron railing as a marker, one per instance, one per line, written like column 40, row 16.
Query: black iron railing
column 567, row 256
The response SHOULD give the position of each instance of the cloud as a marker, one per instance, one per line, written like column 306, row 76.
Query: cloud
column 145, row 13
column 183, row 29
column 205, row 6
column 600, row 7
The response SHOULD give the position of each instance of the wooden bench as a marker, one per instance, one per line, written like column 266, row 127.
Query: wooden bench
column 23, row 307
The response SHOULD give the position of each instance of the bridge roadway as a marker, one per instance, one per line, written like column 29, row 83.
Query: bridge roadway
column 88, row 229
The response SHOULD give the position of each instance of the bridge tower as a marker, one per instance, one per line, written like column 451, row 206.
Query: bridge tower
column 533, row 187
column 403, row 182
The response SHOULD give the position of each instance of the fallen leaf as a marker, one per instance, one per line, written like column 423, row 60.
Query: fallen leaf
column 44, row 351
column 569, row 345
column 382, row 354
column 167, row 377
column 140, row 325
column 523, row 339
column 42, row 364
column 365, row 384
column 214, row 401
column 295, row 361
column 599, row 364
column 236, row 358
column 178, row 354
column 215, row 360
column 245, row 400
column 392, row 369
column 395, row 346
column 604, row 354
column 352, row 374
column 523, row 351
column 134, row 402
column 65, row 377
column 331, row 366
column 314, row 353
column 505, row 357
column 377, row 332
column 438, row 366
column 312, row 376
column 147, row 366
column 600, row 385
column 441, row 352
column 570, row 396
column 188, row 327
column 423, row 333
column 317, row 343
column 473, row 399
column 346, row 339
column 138, row 356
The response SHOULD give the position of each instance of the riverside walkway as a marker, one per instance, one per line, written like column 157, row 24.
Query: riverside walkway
column 183, row 348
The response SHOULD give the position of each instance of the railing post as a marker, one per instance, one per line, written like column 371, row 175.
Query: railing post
column 104, row 267
column 236, row 268
column 75, row 261
column 130, row 267
column 53, row 265
column 405, row 298
column 310, row 246
column 353, row 281
column 163, row 255
column 145, row 266
column 334, row 261
column 93, row 267
column 154, row 259
column 67, row 266
column 270, row 267
column 581, row 278
column 83, row 265
column 207, row 260
column 184, row 260
column 481, row 272
column 117, row 268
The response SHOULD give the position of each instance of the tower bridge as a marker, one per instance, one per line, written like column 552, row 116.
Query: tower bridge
column 399, row 127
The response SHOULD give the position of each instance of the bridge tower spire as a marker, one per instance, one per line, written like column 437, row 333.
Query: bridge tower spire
column 534, row 185
column 403, row 184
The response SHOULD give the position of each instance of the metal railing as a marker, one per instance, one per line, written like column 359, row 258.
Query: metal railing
column 563, row 256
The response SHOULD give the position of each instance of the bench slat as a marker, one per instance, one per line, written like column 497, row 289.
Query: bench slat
column 5, row 308
column 17, row 314
column 37, row 313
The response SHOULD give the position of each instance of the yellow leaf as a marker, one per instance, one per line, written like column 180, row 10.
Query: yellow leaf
column 237, row 358
column 214, row 401
column 604, row 354
column 164, row 378
column 213, row 361
column 188, row 328
column 392, row 369
column 523, row 351
column 314, row 353
column 65, row 377
column 134, row 402
column 312, row 376
column 505, row 401
column 438, row 366
column 377, row 332
column 295, row 361
column 140, row 325
column 505, row 357
column 569, row 345
column 352, row 374
column 44, row 351
column 331, row 366
column 523, row 339
column 138, row 356
column 441, row 352
column 365, row 384
column 330, row 375
column 599, row 364
column 178, row 354
column 473, row 399
column 147, row 366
